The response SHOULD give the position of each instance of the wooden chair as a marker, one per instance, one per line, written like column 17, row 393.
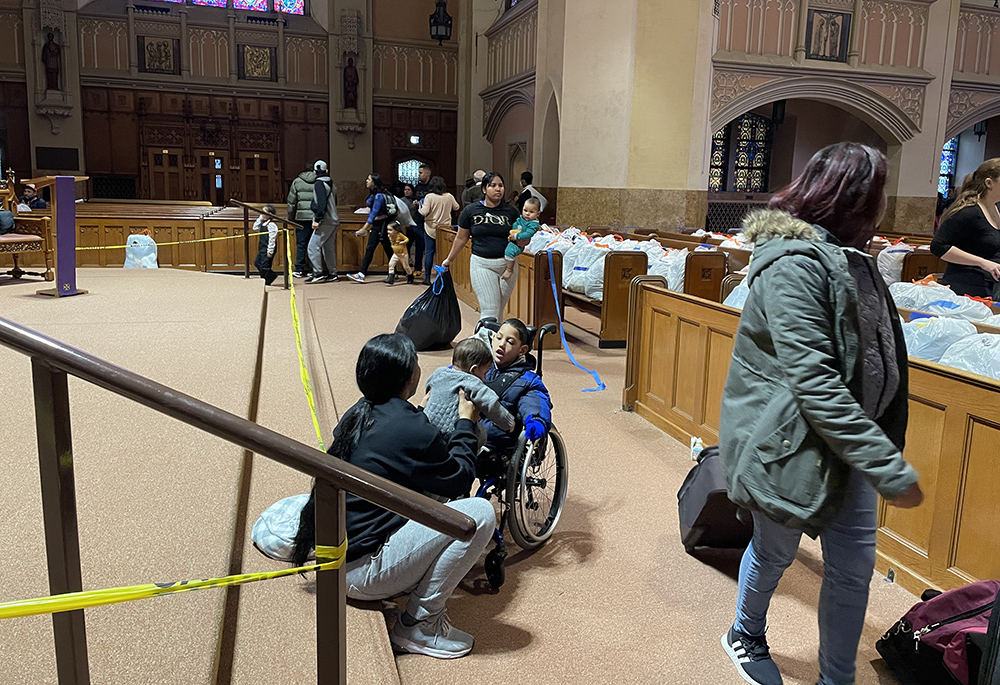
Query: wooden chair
column 31, row 234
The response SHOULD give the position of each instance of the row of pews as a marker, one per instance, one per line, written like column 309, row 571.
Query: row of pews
column 108, row 224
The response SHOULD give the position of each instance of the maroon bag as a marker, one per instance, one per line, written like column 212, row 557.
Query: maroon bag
column 930, row 644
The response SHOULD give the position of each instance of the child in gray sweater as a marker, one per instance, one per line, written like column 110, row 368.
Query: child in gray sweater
column 470, row 361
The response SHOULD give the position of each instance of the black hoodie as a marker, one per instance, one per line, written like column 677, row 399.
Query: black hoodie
column 324, row 204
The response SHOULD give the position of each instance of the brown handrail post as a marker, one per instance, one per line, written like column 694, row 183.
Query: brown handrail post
column 331, row 589
column 246, row 242
column 62, row 539
column 285, row 254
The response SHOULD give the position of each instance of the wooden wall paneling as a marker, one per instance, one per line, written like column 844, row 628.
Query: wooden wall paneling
column 125, row 145
column 88, row 234
column 225, row 255
column 13, row 124
column 97, row 142
column 189, row 256
column 114, row 232
column 248, row 108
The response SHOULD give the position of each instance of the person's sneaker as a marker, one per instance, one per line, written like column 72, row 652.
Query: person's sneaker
column 357, row 278
column 271, row 277
column 434, row 637
column 418, row 274
column 298, row 274
column 752, row 658
column 317, row 278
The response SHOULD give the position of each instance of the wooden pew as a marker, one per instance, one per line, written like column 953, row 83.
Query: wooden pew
column 620, row 267
column 351, row 248
column 532, row 300
column 679, row 353
column 31, row 244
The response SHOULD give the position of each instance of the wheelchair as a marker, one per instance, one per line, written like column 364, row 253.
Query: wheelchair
column 529, row 484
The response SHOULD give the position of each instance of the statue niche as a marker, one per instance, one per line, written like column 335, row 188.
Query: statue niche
column 351, row 81
column 52, row 60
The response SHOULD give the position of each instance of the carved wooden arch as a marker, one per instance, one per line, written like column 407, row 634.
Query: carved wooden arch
column 968, row 108
column 889, row 120
column 503, row 104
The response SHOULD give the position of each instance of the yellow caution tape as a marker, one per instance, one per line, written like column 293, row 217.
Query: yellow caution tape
column 178, row 242
column 72, row 601
column 303, row 370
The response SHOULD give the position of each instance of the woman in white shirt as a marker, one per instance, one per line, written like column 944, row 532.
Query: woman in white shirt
column 437, row 207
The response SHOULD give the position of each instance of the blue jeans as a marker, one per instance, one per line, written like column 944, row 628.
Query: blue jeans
column 848, row 563
column 418, row 241
column 430, row 244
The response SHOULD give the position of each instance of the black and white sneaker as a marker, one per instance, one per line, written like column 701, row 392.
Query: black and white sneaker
column 752, row 658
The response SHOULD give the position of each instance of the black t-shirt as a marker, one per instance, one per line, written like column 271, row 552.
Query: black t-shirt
column 490, row 227
column 968, row 230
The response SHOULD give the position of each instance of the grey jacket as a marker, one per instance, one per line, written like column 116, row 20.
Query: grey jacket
column 442, row 401
column 300, row 197
column 792, row 425
column 324, row 204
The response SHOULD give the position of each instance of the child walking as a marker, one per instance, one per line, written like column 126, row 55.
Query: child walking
column 525, row 228
column 266, row 245
column 400, row 254
column 470, row 362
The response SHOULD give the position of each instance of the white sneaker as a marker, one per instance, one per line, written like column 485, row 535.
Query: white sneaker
column 434, row 637
column 357, row 278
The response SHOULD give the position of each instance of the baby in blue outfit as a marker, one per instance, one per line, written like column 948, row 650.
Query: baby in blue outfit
column 524, row 229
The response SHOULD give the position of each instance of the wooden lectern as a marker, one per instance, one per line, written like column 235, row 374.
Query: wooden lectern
column 64, row 216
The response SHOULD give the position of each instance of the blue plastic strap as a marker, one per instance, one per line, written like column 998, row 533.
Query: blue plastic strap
column 438, row 286
column 562, row 334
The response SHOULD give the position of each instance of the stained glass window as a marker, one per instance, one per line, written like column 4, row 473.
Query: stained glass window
column 947, row 173
column 408, row 171
column 252, row 5
column 719, row 161
column 209, row 3
column 290, row 6
column 752, row 153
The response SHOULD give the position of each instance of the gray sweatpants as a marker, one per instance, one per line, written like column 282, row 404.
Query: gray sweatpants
column 491, row 290
column 422, row 562
column 323, row 247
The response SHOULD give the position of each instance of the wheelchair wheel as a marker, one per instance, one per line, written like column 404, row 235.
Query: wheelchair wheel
column 536, row 490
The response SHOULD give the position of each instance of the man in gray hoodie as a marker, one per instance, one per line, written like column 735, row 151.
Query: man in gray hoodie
column 300, row 197
column 326, row 221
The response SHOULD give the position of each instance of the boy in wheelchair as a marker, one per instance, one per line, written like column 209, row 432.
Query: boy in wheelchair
column 521, row 392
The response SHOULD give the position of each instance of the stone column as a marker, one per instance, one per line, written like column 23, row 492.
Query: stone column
column 853, row 49
column 634, row 135
column 914, row 164
column 282, row 53
column 55, row 117
column 548, row 93
column 133, row 48
column 185, row 43
column 474, row 151
column 350, row 34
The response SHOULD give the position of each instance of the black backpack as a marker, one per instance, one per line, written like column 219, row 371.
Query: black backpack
column 391, row 208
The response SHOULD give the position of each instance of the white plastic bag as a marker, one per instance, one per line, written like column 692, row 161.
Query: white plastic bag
column 586, row 257
column 930, row 338
column 653, row 249
column 570, row 255
column 274, row 532
column 141, row 252
column 671, row 266
column 890, row 262
column 978, row 353
column 738, row 297
column 539, row 241
column 913, row 296
column 962, row 308
column 593, row 282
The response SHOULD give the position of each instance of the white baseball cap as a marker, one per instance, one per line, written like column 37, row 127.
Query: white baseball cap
column 320, row 165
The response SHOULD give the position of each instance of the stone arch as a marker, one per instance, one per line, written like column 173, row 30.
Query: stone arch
column 504, row 103
column 551, row 122
column 971, row 115
column 890, row 121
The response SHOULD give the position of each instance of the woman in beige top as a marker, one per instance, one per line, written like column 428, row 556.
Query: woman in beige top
column 437, row 206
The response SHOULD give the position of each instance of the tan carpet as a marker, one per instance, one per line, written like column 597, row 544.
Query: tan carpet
column 612, row 598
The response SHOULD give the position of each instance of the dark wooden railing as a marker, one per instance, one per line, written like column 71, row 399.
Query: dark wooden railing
column 52, row 361
column 288, row 226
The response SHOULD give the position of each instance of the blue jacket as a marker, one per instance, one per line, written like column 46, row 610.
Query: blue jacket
column 526, row 396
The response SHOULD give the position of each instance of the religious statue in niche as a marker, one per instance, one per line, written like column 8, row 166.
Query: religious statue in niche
column 160, row 56
column 257, row 63
column 351, row 81
column 827, row 35
column 52, row 59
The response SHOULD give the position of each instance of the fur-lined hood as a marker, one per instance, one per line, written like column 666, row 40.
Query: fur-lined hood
column 762, row 225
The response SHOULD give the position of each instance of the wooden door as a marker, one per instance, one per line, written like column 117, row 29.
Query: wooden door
column 213, row 179
column 165, row 173
column 258, row 177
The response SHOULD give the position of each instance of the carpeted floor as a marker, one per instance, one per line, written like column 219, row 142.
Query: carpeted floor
column 612, row 597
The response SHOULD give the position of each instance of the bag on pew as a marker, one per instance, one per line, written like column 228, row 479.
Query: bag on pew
column 593, row 282
column 941, row 639
column 540, row 240
column 707, row 517
column 571, row 253
column 960, row 308
column 930, row 338
column 586, row 257
column 140, row 252
column 671, row 266
column 915, row 296
column 978, row 353
column 890, row 262
column 653, row 250
column 738, row 298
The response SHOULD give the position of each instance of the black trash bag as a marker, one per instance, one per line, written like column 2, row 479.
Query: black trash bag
column 434, row 318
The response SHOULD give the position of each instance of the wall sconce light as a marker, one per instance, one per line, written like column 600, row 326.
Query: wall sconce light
column 441, row 23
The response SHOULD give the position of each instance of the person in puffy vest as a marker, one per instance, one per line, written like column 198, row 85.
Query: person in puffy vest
column 300, row 197
column 326, row 221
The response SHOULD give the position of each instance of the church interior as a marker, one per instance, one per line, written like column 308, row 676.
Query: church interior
column 648, row 130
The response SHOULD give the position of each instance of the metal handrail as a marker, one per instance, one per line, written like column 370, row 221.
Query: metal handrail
column 52, row 361
column 247, row 208
column 235, row 429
